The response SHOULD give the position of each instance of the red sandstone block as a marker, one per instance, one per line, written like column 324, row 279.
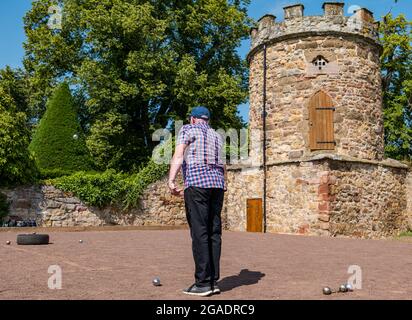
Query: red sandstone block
column 324, row 197
column 323, row 188
column 303, row 229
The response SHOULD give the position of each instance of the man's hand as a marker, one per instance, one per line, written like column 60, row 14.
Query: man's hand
column 174, row 190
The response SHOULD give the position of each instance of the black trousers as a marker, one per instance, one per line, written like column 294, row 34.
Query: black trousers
column 203, row 212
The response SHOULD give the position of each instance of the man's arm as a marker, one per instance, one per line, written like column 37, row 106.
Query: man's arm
column 175, row 166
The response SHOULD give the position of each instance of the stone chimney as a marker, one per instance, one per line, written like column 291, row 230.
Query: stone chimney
column 294, row 11
column 266, row 22
column 333, row 8
column 365, row 15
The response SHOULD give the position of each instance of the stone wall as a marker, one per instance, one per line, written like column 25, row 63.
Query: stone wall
column 294, row 199
column 243, row 184
column 25, row 202
column 326, row 195
column 368, row 201
column 256, row 104
column 51, row 207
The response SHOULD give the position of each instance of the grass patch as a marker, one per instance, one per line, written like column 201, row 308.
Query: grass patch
column 406, row 234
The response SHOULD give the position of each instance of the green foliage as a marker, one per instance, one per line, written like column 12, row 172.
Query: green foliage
column 13, row 83
column 396, row 60
column 152, row 172
column 96, row 189
column 54, row 144
column 4, row 206
column 138, row 64
column 106, row 133
column 109, row 187
column 16, row 163
column 54, row 173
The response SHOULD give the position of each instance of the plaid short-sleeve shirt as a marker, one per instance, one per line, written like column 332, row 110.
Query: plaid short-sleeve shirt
column 202, row 166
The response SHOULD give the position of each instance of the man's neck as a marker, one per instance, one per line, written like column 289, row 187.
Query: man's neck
column 204, row 123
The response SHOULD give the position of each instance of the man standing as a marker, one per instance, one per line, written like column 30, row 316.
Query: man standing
column 198, row 153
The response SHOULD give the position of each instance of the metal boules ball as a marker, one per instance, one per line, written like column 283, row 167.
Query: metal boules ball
column 349, row 287
column 343, row 288
column 156, row 282
column 327, row 291
column 80, row 241
column 8, row 243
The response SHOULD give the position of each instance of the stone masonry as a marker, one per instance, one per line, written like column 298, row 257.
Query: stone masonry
column 51, row 207
column 358, row 131
column 349, row 189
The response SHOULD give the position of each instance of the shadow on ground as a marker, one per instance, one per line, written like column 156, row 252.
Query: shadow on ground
column 244, row 278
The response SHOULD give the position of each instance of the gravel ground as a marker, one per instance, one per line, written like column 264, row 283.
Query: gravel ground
column 122, row 264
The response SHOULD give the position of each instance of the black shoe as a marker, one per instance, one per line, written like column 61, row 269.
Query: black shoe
column 195, row 290
column 216, row 289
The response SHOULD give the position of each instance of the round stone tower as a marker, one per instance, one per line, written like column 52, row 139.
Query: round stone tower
column 316, row 101
column 323, row 84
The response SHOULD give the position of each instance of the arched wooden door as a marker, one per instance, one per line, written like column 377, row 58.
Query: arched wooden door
column 321, row 130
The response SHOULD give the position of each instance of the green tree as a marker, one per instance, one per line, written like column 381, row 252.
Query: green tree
column 396, row 62
column 58, row 143
column 142, row 63
column 16, row 163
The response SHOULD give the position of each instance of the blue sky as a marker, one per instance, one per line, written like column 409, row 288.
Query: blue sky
column 12, row 12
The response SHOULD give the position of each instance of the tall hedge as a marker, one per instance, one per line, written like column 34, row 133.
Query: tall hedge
column 58, row 143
